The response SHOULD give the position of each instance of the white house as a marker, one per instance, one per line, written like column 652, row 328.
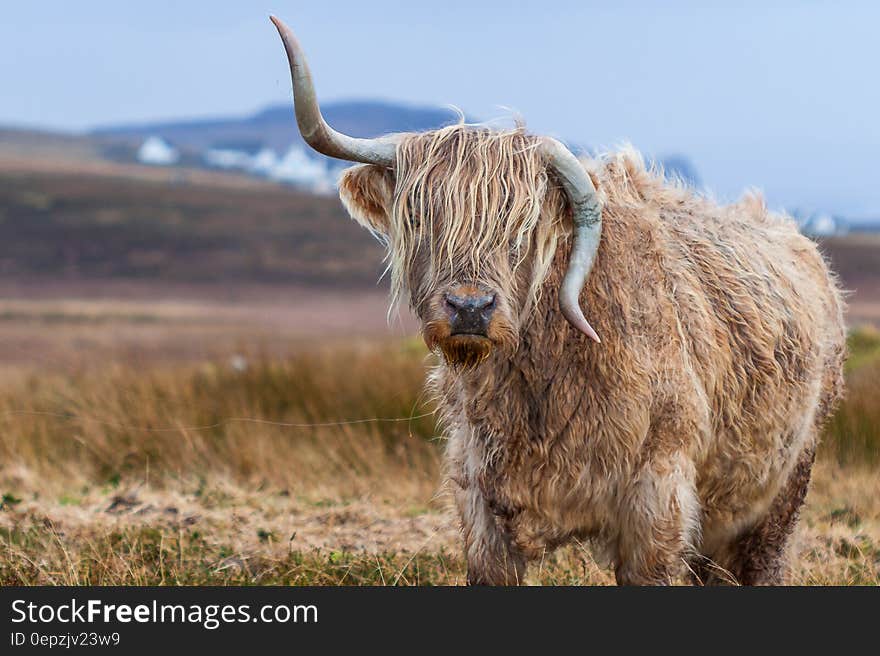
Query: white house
column 157, row 152
column 299, row 169
column 819, row 224
column 232, row 155
column 264, row 162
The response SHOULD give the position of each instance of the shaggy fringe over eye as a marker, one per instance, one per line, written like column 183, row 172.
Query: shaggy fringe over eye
column 467, row 192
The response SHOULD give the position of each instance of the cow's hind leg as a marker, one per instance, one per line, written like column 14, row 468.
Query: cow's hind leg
column 759, row 555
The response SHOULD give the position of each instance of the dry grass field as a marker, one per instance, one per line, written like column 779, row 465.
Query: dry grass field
column 183, row 401
column 319, row 467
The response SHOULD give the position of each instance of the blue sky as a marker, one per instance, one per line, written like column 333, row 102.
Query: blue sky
column 783, row 96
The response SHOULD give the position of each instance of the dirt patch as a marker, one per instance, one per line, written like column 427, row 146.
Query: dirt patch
column 253, row 523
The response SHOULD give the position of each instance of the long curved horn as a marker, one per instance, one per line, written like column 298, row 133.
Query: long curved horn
column 587, row 214
column 312, row 125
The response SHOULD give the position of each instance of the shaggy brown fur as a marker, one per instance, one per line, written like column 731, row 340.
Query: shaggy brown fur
column 687, row 435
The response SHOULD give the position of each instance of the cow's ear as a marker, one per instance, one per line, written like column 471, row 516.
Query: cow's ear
column 366, row 191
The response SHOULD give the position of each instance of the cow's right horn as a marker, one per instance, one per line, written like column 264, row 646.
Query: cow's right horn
column 312, row 125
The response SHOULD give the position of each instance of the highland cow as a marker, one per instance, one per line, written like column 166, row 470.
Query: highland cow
column 679, row 444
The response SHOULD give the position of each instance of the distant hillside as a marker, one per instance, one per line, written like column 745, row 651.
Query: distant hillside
column 275, row 126
column 29, row 142
column 83, row 225
column 106, row 223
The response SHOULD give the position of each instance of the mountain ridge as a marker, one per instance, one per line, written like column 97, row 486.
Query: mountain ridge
column 275, row 125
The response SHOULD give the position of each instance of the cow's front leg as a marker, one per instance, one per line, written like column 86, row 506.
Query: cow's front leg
column 659, row 518
column 492, row 559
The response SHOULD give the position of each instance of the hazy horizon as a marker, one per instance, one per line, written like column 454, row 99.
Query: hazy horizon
column 769, row 95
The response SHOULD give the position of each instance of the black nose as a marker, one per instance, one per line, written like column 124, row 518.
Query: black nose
column 469, row 314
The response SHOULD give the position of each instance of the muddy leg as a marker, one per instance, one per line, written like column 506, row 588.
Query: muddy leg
column 760, row 554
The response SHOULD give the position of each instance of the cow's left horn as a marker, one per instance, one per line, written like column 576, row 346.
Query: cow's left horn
column 587, row 214
column 312, row 125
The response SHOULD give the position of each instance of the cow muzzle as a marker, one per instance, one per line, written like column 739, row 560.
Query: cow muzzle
column 467, row 323
column 469, row 310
